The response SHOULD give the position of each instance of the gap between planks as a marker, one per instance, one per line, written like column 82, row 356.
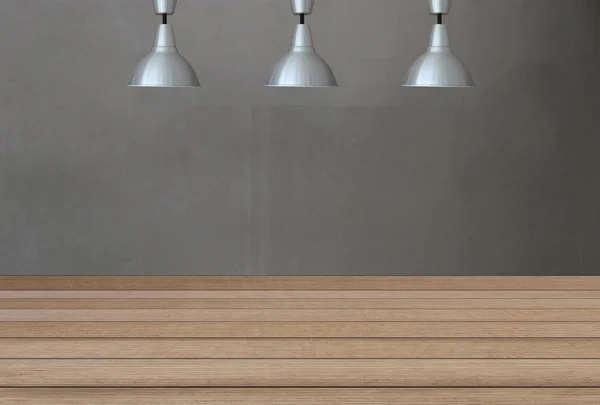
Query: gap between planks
column 261, row 294
column 299, row 315
column 299, row 283
column 298, row 303
column 305, row 396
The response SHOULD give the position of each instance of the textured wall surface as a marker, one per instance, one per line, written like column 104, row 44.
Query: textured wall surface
column 235, row 178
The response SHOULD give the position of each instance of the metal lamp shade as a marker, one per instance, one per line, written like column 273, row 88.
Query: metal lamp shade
column 164, row 66
column 302, row 66
column 439, row 67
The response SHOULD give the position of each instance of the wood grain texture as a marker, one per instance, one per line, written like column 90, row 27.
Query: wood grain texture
column 300, row 294
column 298, row 283
column 301, row 373
column 496, row 337
column 300, row 329
column 299, row 315
column 294, row 303
column 291, row 396
column 428, row 348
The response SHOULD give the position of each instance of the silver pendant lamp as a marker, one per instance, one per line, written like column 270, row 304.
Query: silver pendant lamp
column 164, row 66
column 439, row 67
column 302, row 66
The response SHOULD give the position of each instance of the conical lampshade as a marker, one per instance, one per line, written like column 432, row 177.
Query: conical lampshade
column 164, row 66
column 439, row 67
column 302, row 66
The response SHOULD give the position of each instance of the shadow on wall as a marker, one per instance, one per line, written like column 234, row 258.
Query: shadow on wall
column 584, row 160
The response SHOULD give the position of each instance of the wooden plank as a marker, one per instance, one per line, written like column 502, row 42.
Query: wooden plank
column 261, row 294
column 300, row 329
column 298, row 283
column 291, row 396
column 428, row 348
column 300, row 373
column 292, row 303
column 299, row 315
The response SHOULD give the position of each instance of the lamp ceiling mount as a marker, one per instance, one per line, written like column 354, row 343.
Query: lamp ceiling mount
column 440, row 6
column 162, row 7
column 302, row 6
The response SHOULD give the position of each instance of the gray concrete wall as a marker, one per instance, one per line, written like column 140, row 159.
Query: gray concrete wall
column 235, row 178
